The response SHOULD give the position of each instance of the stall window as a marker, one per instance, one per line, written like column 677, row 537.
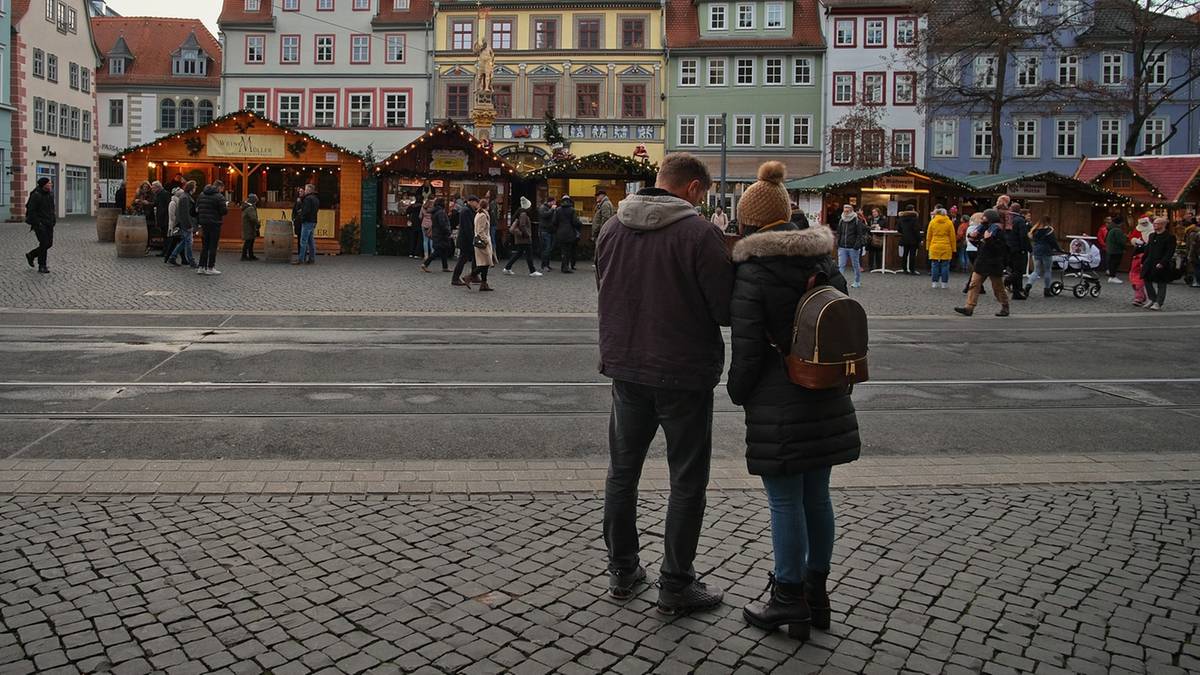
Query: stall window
column 544, row 95
column 360, row 109
column 458, row 100
column 502, row 99
column 587, row 99
column 633, row 101
column 395, row 109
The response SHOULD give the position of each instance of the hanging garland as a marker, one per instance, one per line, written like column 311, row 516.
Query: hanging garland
column 600, row 161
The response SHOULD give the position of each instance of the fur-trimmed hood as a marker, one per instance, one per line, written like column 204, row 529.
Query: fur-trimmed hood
column 814, row 241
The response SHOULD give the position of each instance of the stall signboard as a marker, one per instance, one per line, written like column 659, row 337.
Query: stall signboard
column 896, row 183
column 1028, row 188
column 448, row 160
column 244, row 146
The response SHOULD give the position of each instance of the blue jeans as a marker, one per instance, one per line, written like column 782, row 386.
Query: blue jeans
column 1043, row 268
column 854, row 255
column 939, row 270
column 964, row 263
column 427, row 243
column 184, row 248
column 308, row 244
column 547, row 248
column 801, row 523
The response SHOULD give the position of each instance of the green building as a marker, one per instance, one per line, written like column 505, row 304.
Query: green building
column 759, row 62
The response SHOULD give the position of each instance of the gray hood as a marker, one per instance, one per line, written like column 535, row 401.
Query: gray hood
column 646, row 212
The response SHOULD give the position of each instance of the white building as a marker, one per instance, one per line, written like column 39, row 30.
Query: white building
column 352, row 72
column 159, row 76
column 53, row 129
column 871, row 85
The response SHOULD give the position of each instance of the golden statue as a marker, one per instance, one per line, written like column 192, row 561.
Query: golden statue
column 485, row 65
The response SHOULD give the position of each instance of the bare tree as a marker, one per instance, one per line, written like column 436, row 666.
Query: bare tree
column 862, row 127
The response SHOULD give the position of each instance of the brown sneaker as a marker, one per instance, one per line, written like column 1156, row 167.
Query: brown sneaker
column 1003, row 311
column 965, row 311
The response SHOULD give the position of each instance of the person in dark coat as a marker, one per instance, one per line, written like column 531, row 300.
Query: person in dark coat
column 310, row 210
column 41, row 214
column 210, row 210
column 545, row 224
column 911, row 238
column 466, row 243
column 162, row 207
column 416, row 236
column 296, row 224
column 250, row 226
column 119, row 197
column 185, row 212
column 793, row 435
column 522, row 234
column 1015, row 229
column 990, row 262
column 1158, row 268
column 566, row 232
column 1114, row 247
column 443, row 246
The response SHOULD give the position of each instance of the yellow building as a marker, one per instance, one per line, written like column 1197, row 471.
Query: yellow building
column 597, row 67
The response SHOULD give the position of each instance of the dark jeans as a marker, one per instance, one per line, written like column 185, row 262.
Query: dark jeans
column 482, row 272
column 463, row 258
column 1157, row 292
column 910, row 259
column 45, row 237
column 438, row 252
column 1017, row 264
column 247, row 249
column 416, row 246
column 169, row 244
column 686, row 419
column 547, row 249
column 567, row 251
column 518, row 251
column 1114, row 265
column 212, row 237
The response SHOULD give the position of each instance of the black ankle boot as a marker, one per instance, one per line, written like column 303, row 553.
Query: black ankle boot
column 817, row 598
column 786, row 607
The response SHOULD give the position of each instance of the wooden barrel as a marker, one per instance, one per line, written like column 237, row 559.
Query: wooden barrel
column 279, row 241
column 106, row 223
column 131, row 236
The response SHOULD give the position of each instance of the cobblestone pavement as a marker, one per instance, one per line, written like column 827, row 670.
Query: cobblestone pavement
column 1084, row 579
column 88, row 275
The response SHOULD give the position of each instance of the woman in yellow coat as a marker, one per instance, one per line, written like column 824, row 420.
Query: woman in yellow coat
column 940, row 243
column 483, row 255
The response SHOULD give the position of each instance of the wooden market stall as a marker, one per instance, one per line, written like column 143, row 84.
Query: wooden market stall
column 1161, row 185
column 252, row 154
column 446, row 161
column 1074, row 207
column 581, row 177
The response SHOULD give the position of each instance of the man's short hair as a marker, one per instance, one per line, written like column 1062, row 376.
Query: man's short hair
column 601, row 192
column 156, row 184
column 218, row 184
column 678, row 169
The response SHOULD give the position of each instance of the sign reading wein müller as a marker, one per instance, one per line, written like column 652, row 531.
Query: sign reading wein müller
column 244, row 146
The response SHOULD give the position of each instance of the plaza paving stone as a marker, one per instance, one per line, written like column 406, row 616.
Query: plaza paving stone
column 88, row 275
column 1058, row 578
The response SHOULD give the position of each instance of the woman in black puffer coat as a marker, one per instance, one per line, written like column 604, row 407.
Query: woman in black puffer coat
column 793, row 435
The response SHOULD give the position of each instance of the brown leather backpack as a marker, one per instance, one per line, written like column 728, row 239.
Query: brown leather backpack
column 829, row 341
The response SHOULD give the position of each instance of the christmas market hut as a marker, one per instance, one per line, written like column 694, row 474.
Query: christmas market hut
column 446, row 161
column 889, row 189
column 581, row 177
column 1162, row 185
column 1075, row 208
column 251, row 154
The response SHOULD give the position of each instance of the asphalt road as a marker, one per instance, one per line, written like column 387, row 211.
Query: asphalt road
column 79, row 384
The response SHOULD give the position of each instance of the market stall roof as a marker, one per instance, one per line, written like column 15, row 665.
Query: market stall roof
column 997, row 182
column 252, row 120
column 410, row 161
column 599, row 165
column 831, row 180
column 1168, row 177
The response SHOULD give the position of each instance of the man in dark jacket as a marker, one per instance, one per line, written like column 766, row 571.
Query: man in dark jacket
column 439, row 232
column 310, row 208
column 546, row 231
column 1016, row 238
column 665, row 282
column 989, row 263
column 41, row 214
column 566, row 225
column 210, row 210
column 296, row 224
column 909, row 224
column 466, row 242
column 162, row 206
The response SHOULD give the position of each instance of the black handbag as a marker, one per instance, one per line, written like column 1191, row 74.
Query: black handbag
column 480, row 242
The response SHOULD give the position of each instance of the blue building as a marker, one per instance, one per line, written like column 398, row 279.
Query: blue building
column 1081, row 101
column 6, row 110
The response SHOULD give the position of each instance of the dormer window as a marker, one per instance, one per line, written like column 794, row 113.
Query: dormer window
column 189, row 62
column 401, row 5
column 116, row 66
column 252, row 5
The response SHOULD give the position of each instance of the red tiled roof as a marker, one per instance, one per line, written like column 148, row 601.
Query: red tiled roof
column 419, row 11
column 1171, row 175
column 152, row 40
column 683, row 28
column 234, row 11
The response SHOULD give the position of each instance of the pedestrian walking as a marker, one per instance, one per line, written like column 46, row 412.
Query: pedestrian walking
column 940, row 242
column 250, row 226
column 605, row 211
column 1192, row 242
column 466, row 243
column 720, row 220
column 989, row 264
column 664, row 352
column 1102, row 241
column 162, row 215
column 567, row 227
column 1045, row 245
column 426, row 216
column 1015, row 230
column 439, row 235
column 793, row 435
column 211, row 208
column 310, row 208
column 910, row 239
column 546, row 230
column 522, row 234
column 41, row 214
column 1158, row 269
column 417, row 236
column 964, row 260
column 185, row 220
column 173, row 227
column 1115, row 246
column 851, row 238
column 481, row 247
column 297, row 225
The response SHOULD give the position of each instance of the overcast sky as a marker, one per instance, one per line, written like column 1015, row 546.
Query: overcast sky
column 205, row 10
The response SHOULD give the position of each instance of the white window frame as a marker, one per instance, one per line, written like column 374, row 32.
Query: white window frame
column 741, row 6
column 724, row 71
column 252, row 5
column 390, row 44
column 1067, row 74
column 1155, row 129
column 837, row 89
column 291, row 5
column 911, row 98
column 981, row 136
column 684, row 65
column 947, row 72
column 882, row 24
column 320, row 110
column 360, row 49
column 767, row 122
column 246, row 105
column 361, row 5
column 294, row 103
column 39, row 115
column 709, row 122
column 1025, row 138
column 1111, row 136
column 944, row 129
column 284, row 48
column 807, row 62
column 87, row 126
column 317, row 47
column 116, row 66
column 325, row 5
column 985, row 70
column 906, row 21
column 775, row 62
column 804, row 124
column 713, row 14
column 256, row 43
column 354, row 108
column 1112, row 69
column 116, row 112
column 912, row 146
column 837, row 34
column 401, row 5
column 1028, row 13
column 1061, row 132
column 1158, row 69
column 768, row 21
column 738, row 128
column 390, row 109
column 737, row 70
column 1029, row 71
column 679, row 124
column 882, row 98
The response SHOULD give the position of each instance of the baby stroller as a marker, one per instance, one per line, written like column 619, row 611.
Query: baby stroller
column 1079, row 270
